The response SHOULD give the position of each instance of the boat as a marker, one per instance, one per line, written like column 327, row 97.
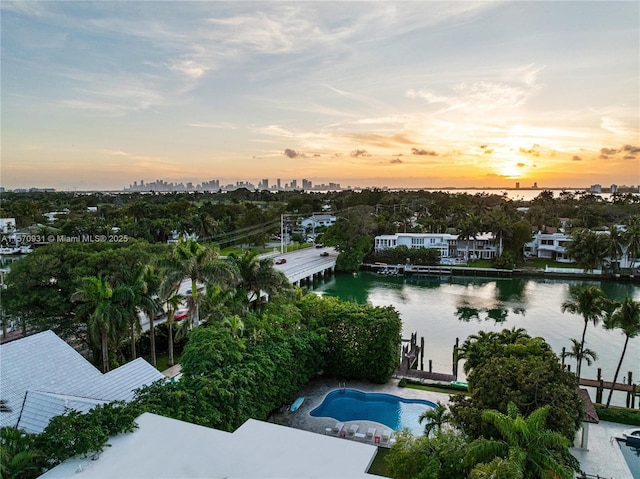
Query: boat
column 296, row 404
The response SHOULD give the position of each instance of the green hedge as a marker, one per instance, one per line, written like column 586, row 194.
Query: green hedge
column 363, row 342
column 619, row 415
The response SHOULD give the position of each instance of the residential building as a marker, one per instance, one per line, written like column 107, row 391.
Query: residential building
column 318, row 220
column 42, row 377
column 450, row 246
column 164, row 447
column 549, row 246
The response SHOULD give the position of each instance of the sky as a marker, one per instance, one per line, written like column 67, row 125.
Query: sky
column 97, row 95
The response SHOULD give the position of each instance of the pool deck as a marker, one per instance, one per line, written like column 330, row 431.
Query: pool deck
column 316, row 391
column 603, row 457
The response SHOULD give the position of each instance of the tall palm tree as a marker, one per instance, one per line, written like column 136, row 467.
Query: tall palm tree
column 256, row 275
column 468, row 228
column 632, row 239
column 435, row 418
column 626, row 318
column 525, row 448
column 103, row 306
column 589, row 355
column 172, row 299
column 149, row 303
column 590, row 302
column 500, row 225
column 615, row 247
column 132, row 279
column 199, row 264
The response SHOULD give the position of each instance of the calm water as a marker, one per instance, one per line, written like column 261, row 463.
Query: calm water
column 444, row 311
column 392, row 411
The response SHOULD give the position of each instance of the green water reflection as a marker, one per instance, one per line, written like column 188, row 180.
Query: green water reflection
column 443, row 309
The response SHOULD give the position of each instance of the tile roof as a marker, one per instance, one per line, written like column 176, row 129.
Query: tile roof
column 41, row 374
column 590, row 414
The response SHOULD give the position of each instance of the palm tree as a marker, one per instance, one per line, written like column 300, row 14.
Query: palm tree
column 467, row 230
column 590, row 302
column 149, row 303
column 103, row 306
column 500, row 225
column 199, row 264
column 576, row 352
column 627, row 318
column 615, row 247
column 436, row 418
column 256, row 275
column 172, row 299
column 632, row 239
column 525, row 448
column 19, row 456
column 235, row 324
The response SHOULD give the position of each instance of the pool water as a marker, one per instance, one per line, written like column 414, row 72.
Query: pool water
column 632, row 456
column 392, row 411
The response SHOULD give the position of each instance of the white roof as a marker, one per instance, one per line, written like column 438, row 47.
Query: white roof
column 177, row 449
column 41, row 374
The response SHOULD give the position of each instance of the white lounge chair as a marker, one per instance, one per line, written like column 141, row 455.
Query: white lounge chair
column 353, row 429
column 370, row 433
column 338, row 427
column 360, row 436
column 386, row 435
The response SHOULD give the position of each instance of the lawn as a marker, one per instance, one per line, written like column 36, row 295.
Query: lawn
column 379, row 465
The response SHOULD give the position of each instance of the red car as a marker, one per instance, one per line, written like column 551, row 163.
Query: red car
column 281, row 261
column 180, row 314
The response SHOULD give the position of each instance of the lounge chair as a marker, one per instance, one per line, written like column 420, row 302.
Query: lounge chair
column 370, row 433
column 353, row 429
column 360, row 436
column 386, row 435
column 338, row 427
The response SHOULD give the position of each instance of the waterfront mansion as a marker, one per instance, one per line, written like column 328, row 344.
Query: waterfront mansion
column 451, row 247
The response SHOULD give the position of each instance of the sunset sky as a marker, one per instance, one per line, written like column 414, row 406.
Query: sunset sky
column 96, row 95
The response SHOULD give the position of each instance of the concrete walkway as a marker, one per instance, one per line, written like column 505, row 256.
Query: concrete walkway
column 603, row 456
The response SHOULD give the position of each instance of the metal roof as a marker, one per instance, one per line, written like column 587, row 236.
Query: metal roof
column 41, row 374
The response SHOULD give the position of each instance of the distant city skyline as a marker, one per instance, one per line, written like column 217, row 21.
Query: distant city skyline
column 397, row 94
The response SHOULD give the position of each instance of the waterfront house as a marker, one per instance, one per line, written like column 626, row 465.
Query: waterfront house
column 450, row 246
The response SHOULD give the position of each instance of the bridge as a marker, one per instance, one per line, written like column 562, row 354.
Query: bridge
column 306, row 264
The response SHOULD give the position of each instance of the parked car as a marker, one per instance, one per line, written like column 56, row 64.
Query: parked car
column 281, row 261
column 324, row 253
column 319, row 246
column 180, row 314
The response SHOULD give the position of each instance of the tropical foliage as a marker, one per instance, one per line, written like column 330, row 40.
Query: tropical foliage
column 591, row 303
column 625, row 317
column 523, row 448
column 510, row 366
column 363, row 341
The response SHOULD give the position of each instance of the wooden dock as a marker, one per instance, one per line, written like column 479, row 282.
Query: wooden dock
column 601, row 385
column 413, row 357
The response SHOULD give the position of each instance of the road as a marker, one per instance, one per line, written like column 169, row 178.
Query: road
column 303, row 260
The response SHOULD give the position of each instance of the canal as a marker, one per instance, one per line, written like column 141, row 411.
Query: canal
column 456, row 307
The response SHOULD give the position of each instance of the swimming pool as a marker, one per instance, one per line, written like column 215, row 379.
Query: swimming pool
column 394, row 412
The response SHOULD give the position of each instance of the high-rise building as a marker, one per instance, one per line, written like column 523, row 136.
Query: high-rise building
column 278, row 187
column 294, row 184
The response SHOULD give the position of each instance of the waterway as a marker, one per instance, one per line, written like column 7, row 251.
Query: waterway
column 456, row 307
